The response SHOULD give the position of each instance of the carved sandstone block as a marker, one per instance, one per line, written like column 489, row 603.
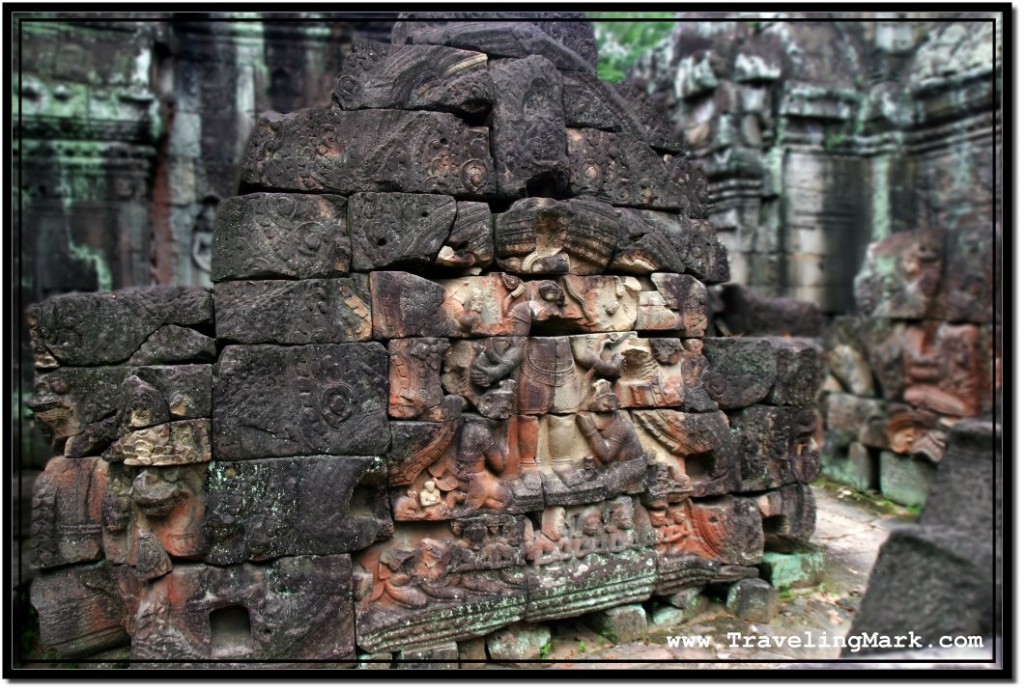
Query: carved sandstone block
column 67, row 507
column 679, row 303
column 788, row 515
column 171, row 443
column 646, row 373
column 314, row 505
column 528, row 128
column 546, row 236
column 439, row 582
column 622, row 170
column 693, row 454
column 80, row 609
column 405, row 305
column 317, row 310
column 464, row 466
column 153, row 514
column 78, row 407
column 800, row 371
column 471, row 242
column 776, row 446
column 587, row 558
column 742, row 371
column 158, row 394
column 944, row 371
column 335, row 395
column 396, row 229
column 330, row 150
column 415, row 376
column 88, row 329
column 292, row 608
column 901, row 275
column 408, row 77
column 276, row 235
column 586, row 304
column 699, row 542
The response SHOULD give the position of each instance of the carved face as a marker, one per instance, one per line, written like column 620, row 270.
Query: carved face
column 156, row 493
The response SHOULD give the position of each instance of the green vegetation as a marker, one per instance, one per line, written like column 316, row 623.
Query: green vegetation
column 582, row 647
column 622, row 37
column 545, row 651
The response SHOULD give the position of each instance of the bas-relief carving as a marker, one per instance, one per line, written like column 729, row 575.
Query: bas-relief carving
column 466, row 573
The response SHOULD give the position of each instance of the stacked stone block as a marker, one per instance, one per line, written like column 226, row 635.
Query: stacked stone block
column 460, row 380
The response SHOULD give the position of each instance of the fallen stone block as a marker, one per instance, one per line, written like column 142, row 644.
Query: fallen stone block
column 752, row 600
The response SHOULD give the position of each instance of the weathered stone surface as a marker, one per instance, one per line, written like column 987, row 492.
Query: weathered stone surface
column 172, row 443
column 158, row 394
column 415, row 376
column 154, row 514
column 585, row 304
column 587, row 558
column 376, row 75
column 742, row 371
column 966, row 293
column 945, row 371
column 398, row 230
column 752, row 600
column 528, row 128
column 545, row 236
column 654, row 241
column 796, row 570
column 568, row 44
column 295, row 608
column 315, row 505
column 911, row 431
column 853, row 465
column 67, row 508
column 693, row 454
column 443, row 656
column 317, row 310
column 428, row 574
column 748, row 313
column 80, row 609
column 175, row 344
column 679, row 304
column 471, row 242
column 622, row 170
column 276, row 235
column 788, row 515
column 621, row 624
column 405, row 305
column 337, row 395
column 473, row 653
column 330, row 150
column 590, row 456
column 800, row 371
column 519, row 642
column 901, row 275
column 647, row 373
column 850, row 416
column 464, row 466
column 951, row 596
column 78, row 406
column 91, row 329
column 905, row 480
column 685, row 605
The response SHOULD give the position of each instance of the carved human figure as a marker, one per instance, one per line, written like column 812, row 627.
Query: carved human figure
column 430, row 494
column 619, row 526
column 589, row 532
column 482, row 455
column 551, row 542
column 618, row 458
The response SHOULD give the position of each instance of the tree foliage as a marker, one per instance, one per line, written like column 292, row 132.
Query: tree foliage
column 622, row 37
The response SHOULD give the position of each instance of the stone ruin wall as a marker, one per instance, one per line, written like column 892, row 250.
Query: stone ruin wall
column 854, row 162
column 454, row 374
column 131, row 130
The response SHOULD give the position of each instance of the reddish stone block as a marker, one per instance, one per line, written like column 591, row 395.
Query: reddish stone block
column 944, row 370
column 67, row 511
column 466, row 574
column 679, row 304
column 415, row 376
column 788, row 515
column 80, row 609
column 777, row 445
